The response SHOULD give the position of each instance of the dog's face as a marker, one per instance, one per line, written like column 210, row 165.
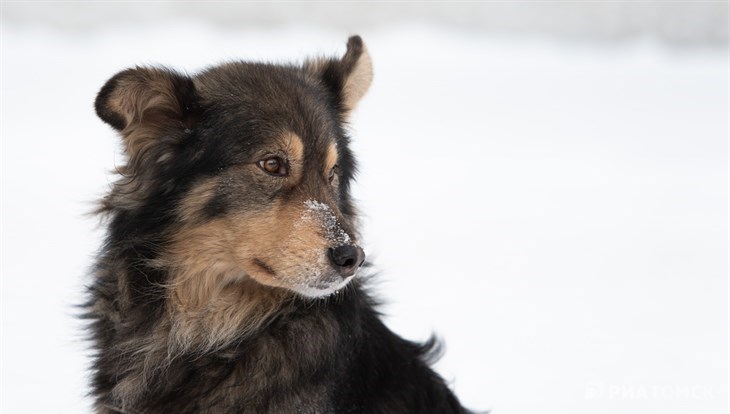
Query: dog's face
column 250, row 167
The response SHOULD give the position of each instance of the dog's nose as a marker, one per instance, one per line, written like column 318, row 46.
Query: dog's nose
column 347, row 259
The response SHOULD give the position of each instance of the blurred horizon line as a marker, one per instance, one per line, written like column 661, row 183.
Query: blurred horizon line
column 685, row 23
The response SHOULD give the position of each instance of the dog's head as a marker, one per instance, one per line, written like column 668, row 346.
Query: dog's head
column 242, row 171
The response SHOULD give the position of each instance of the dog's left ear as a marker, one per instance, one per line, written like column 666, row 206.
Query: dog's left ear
column 348, row 78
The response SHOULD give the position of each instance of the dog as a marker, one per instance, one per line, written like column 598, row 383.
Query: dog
column 227, row 280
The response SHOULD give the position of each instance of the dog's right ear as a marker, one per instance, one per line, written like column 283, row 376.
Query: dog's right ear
column 141, row 103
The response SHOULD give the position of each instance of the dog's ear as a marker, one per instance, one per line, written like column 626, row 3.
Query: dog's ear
column 146, row 105
column 348, row 78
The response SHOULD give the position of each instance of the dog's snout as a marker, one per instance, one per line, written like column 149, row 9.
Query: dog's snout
column 347, row 259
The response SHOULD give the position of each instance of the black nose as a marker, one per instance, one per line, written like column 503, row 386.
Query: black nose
column 347, row 259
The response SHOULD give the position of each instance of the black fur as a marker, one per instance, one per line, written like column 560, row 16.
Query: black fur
column 327, row 355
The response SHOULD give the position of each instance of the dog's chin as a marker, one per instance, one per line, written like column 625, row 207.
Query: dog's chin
column 308, row 284
column 323, row 289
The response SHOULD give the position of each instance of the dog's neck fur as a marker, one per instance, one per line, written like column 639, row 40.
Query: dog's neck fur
column 242, row 327
column 230, row 308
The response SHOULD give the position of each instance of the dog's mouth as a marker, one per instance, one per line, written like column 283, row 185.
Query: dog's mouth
column 316, row 281
column 261, row 265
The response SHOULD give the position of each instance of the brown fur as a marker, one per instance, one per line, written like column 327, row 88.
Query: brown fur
column 211, row 292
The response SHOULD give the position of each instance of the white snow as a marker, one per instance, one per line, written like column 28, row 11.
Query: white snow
column 557, row 212
column 323, row 215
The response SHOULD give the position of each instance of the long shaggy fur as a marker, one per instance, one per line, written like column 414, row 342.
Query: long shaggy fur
column 213, row 292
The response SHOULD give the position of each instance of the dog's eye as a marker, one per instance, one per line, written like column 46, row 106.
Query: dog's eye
column 274, row 166
column 333, row 172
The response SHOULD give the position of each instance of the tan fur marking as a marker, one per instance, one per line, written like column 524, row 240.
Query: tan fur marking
column 294, row 148
column 197, row 198
column 212, row 300
column 331, row 159
column 218, row 291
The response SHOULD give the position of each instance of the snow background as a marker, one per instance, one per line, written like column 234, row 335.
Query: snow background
column 553, row 203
